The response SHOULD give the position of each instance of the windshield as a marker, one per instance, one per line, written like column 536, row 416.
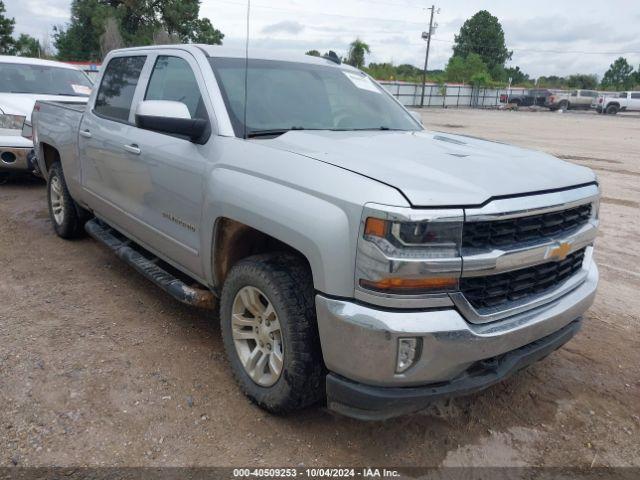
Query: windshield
column 284, row 96
column 21, row 78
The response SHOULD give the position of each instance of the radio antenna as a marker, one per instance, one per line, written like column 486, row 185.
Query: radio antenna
column 246, row 69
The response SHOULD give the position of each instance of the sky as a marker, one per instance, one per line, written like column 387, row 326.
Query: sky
column 548, row 37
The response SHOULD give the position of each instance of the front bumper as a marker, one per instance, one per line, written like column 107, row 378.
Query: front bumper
column 359, row 345
column 16, row 159
column 379, row 403
column 16, row 152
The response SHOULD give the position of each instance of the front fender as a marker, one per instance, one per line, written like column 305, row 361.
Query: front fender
column 322, row 231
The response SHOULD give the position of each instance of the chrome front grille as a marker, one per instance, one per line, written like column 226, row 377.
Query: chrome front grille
column 523, row 252
column 493, row 291
column 513, row 231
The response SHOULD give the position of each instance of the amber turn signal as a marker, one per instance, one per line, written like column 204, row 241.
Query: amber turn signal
column 375, row 227
column 405, row 285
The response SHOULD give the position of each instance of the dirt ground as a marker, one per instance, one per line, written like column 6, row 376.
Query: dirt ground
column 98, row 367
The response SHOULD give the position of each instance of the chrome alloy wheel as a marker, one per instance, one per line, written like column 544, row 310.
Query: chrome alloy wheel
column 257, row 336
column 56, row 199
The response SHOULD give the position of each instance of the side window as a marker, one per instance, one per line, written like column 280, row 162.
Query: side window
column 118, row 86
column 574, row 93
column 635, row 95
column 623, row 95
column 173, row 79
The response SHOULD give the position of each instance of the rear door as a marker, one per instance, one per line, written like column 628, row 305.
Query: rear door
column 107, row 173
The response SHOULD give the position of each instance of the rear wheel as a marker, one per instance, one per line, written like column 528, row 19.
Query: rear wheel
column 269, row 331
column 67, row 217
column 564, row 105
column 612, row 109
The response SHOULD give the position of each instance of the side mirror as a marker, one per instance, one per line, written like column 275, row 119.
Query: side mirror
column 170, row 117
column 417, row 117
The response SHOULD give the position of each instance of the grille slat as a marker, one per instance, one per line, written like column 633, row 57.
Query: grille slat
column 488, row 234
column 494, row 290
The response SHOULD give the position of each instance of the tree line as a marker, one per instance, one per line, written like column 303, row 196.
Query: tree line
column 98, row 26
column 479, row 53
column 479, row 57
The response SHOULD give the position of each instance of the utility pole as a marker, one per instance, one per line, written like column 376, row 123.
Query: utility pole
column 427, row 36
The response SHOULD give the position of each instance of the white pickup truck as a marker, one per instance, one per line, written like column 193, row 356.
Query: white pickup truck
column 356, row 257
column 22, row 82
column 618, row 102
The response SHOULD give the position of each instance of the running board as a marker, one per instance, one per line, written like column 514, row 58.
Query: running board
column 151, row 267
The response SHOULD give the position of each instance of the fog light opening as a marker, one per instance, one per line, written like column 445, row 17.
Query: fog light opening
column 408, row 353
column 8, row 157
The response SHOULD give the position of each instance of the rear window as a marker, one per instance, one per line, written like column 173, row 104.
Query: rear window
column 635, row 95
column 118, row 86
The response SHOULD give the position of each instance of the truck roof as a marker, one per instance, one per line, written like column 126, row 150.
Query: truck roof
column 254, row 53
column 35, row 61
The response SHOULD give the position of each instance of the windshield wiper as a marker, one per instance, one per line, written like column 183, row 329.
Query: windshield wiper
column 374, row 129
column 275, row 132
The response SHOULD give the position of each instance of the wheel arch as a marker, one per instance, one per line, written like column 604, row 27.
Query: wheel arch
column 234, row 241
column 49, row 155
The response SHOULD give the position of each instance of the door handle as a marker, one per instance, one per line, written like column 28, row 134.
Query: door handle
column 85, row 133
column 133, row 148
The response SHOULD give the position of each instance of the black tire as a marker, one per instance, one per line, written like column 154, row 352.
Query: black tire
column 287, row 283
column 564, row 105
column 71, row 223
column 612, row 109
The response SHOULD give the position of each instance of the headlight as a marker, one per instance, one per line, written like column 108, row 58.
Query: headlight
column 409, row 252
column 12, row 122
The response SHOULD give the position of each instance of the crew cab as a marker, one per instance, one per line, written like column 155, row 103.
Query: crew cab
column 356, row 258
column 618, row 102
column 576, row 99
column 23, row 81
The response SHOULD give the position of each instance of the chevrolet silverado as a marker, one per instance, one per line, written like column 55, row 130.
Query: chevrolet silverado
column 355, row 258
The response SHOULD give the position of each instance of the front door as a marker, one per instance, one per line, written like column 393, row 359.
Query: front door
column 170, row 203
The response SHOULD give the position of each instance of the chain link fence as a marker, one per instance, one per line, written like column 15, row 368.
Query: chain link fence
column 447, row 96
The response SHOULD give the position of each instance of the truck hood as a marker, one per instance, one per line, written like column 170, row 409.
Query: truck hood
column 437, row 169
column 22, row 103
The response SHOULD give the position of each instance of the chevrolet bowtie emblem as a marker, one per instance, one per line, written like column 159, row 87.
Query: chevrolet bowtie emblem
column 561, row 251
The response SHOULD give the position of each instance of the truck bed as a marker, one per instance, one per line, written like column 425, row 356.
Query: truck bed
column 55, row 124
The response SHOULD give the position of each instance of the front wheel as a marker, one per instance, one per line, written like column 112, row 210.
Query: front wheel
column 269, row 331
column 612, row 109
column 67, row 218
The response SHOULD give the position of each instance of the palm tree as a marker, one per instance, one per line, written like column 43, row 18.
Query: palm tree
column 357, row 51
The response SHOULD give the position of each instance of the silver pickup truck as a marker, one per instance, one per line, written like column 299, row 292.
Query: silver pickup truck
column 355, row 257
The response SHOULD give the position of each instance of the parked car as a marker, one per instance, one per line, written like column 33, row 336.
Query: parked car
column 534, row 97
column 355, row 257
column 597, row 101
column 22, row 82
column 576, row 99
column 618, row 102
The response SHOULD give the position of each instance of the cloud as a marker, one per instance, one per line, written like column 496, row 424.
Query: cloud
column 561, row 29
column 286, row 26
